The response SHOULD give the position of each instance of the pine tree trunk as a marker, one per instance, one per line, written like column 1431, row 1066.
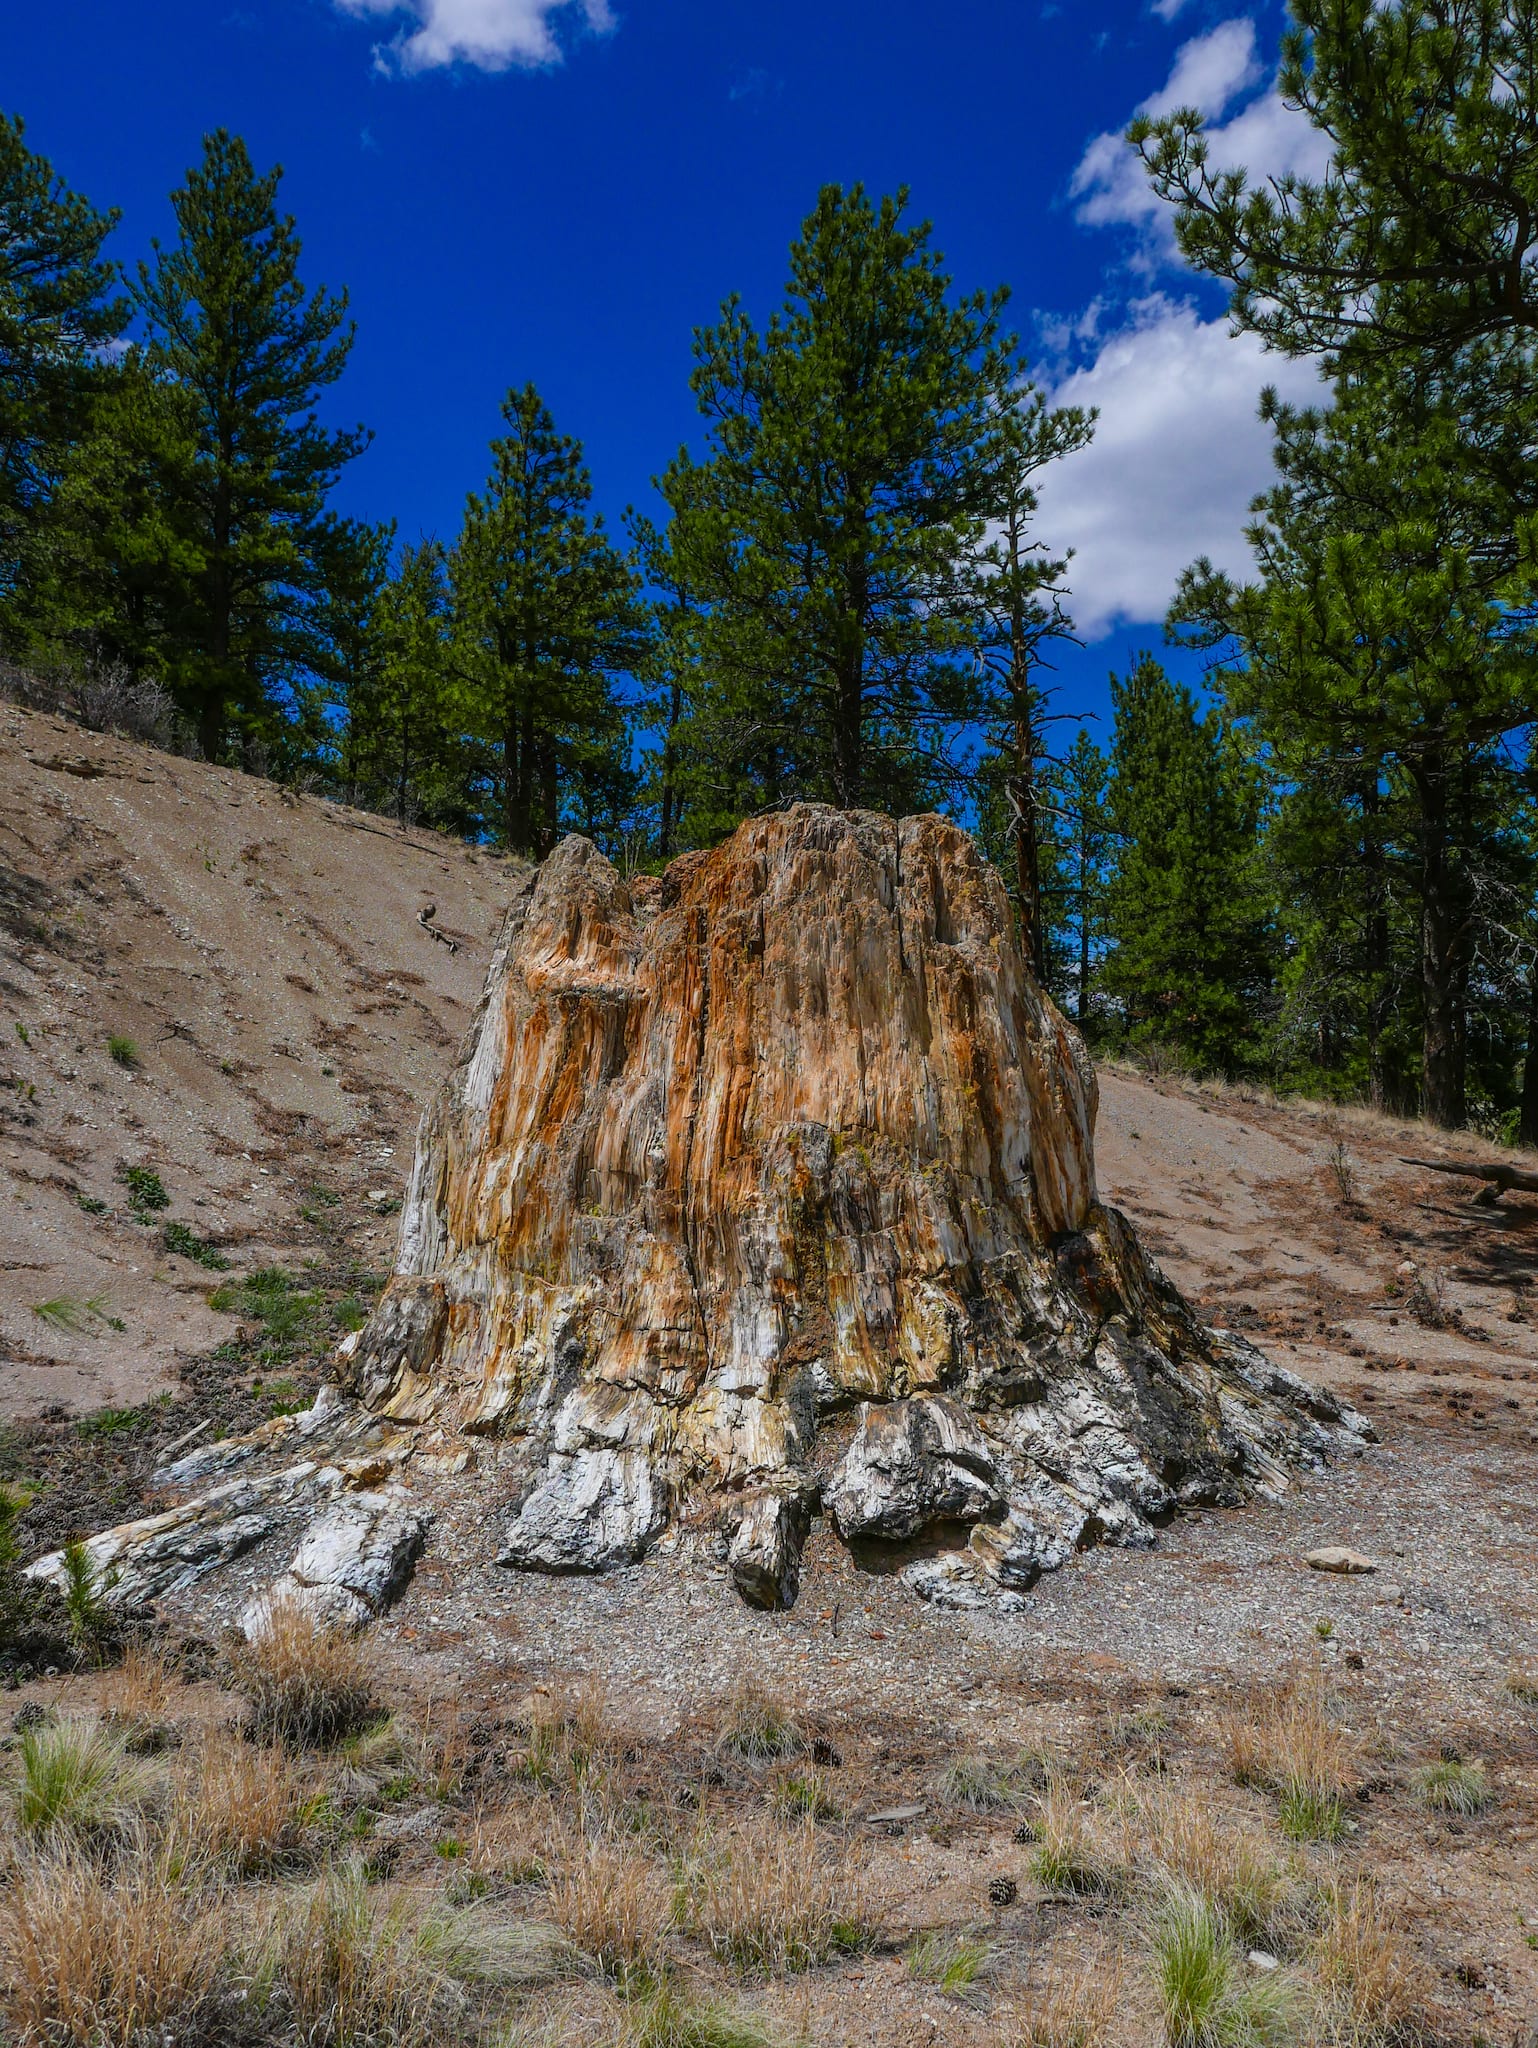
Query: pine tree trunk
column 1527, row 1119
column 1376, row 962
column 669, row 797
column 1027, row 853
column 1441, row 1073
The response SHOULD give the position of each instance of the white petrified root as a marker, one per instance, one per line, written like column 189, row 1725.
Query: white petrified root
column 354, row 1559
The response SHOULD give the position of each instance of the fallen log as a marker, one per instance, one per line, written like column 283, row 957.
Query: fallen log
column 1503, row 1180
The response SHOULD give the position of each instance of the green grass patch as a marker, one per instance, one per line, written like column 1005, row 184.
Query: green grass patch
column 1453, row 1787
column 79, row 1318
column 146, row 1190
column 123, row 1051
column 185, row 1242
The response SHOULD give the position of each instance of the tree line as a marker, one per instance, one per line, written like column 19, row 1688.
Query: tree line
column 1321, row 870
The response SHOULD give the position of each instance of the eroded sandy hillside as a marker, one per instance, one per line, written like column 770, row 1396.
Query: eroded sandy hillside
column 290, row 1016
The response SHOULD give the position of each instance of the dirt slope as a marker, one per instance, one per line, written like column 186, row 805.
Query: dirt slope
column 262, row 951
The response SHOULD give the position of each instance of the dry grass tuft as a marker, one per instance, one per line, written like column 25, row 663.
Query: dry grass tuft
column 612, row 1901
column 669, row 2018
column 1073, row 2008
column 1450, row 1786
column 143, row 1685
column 1262, row 1900
column 1077, row 1852
column 757, row 1724
column 305, row 1686
column 351, row 1971
column 1522, row 1683
column 93, row 1961
column 246, row 1812
column 769, row 1898
column 1291, row 1745
column 1208, row 1997
column 1375, row 1991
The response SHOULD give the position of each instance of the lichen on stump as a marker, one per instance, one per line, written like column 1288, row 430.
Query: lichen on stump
column 769, row 1188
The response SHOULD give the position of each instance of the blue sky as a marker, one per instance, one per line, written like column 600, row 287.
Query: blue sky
column 561, row 190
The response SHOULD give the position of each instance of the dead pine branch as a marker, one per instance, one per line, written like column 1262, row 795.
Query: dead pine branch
column 1502, row 1180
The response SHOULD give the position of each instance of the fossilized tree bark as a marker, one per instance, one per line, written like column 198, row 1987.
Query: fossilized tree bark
column 771, row 1186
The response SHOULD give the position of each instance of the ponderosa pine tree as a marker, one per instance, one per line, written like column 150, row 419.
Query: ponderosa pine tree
column 1421, row 234
column 1074, row 796
column 229, row 322
column 547, row 616
column 1190, row 951
column 1386, row 643
column 825, row 534
column 58, row 308
column 118, row 545
column 1019, row 596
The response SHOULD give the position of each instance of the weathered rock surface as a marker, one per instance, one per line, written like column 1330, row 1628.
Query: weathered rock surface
column 353, row 1560
column 762, row 1190
column 793, row 1134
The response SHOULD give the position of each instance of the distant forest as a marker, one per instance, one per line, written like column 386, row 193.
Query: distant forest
column 1320, row 873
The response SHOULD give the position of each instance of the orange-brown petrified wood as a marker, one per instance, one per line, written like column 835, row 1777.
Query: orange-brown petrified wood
column 769, row 1191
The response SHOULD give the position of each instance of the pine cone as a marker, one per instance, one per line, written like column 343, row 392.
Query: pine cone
column 1003, row 1891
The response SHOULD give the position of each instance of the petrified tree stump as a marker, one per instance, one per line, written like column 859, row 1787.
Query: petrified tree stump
column 760, row 1192
column 769, row 1189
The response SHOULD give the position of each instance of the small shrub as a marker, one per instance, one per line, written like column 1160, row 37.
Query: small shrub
column 758, row 1725
column 1207, row 1997
column 305, row 1686
column 270, row 1298
column 612, row 1902
column 186, row 1244
column 87, row 1617
column 96, row 1960
column 91, row 1204
column 20, row 1598
column 1453, row 1787
column 78, row 1781
column 1072, row 1853
column 1342, row 1171
column 146, row 1190
column 953, row 1963
column 123, row 1050
column 769, row 1898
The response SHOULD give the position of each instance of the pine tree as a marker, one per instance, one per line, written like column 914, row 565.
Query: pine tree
column 229, row 322
column 1020, row 597
column 58, row 307
column 825, row 532
column 1075, row 802
column 1419, row 236
column 547, row 617
column 1387, row 649
column 117, row 546
column 1189, row 958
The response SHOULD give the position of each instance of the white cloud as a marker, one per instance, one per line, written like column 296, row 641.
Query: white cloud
column 1264, row 136
column 1177, row 456
column 1167, row 9
column 492, row 35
